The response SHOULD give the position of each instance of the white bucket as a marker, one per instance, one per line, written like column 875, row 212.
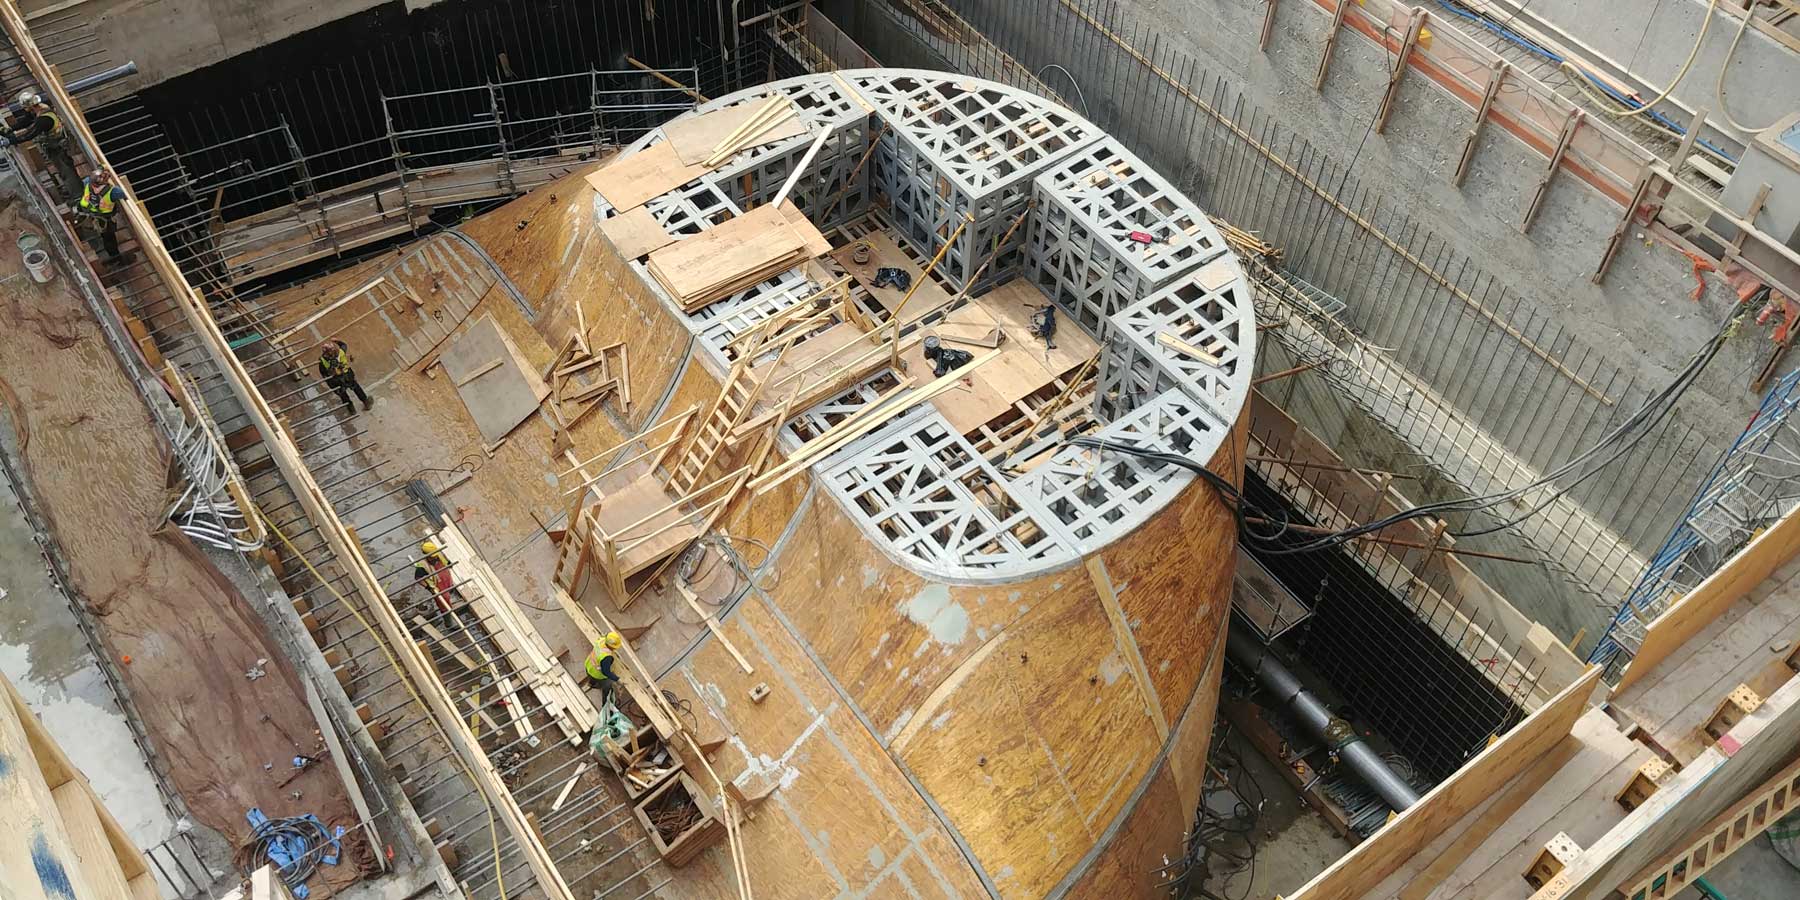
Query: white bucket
column 37, row 262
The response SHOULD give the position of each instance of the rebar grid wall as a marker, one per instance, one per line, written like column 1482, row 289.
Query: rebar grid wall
column 1490, row 352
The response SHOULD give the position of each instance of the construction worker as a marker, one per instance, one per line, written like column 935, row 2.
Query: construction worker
column 334, row 367
column 97, row 211
column 600, row 663
column 45, row 128
column 433, row 571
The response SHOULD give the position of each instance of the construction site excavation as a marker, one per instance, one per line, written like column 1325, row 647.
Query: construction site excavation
column 499, row 449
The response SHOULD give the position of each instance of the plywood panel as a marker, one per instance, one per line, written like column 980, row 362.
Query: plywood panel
column 635, row 233
column 1680, row 622
column 696, row 136
column 1040, row 705
column 630, row 180
column 498, row 398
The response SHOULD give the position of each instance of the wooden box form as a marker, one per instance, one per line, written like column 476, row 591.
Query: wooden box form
column 696, row 839
column 646, row 736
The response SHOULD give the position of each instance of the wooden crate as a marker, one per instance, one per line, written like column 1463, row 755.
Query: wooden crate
column 646, row 737
column 681, row 790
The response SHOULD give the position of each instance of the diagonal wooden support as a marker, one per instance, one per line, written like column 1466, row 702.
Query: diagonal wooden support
column 1268, row 28
column 1571, row 124
column 1496, row 77
column 1415, row 25
column 1331, row 36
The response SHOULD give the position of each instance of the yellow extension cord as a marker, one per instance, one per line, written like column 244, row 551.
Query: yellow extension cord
column 406, row 682
column 1611, row 106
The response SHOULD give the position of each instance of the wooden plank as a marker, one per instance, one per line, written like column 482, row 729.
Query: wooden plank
column 1687, row 616
column 1125, row 643
column 341, row 761
column 712, row 624
column 88, row 839
column 1752, row 751
column 480, row 370
column 694, row 137
column 635, row 233
column 499, row 401
column 32, row 835
column 437, row 637
column 1355, row 875
column 816, row 243
column 630, row 180
column 1496, row 814
column 329, row 308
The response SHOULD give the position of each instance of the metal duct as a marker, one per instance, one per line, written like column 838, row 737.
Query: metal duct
column 1251, row 655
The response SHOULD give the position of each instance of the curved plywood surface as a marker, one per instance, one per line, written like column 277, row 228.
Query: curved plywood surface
column 1034, row 737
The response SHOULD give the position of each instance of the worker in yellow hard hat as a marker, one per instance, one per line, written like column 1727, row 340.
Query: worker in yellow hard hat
column 600, row 662
column 433, row 571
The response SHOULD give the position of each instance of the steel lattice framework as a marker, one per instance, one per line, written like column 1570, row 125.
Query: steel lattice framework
column 1122, row 253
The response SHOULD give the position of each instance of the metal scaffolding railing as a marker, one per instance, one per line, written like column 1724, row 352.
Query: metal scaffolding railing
column 1754, row 483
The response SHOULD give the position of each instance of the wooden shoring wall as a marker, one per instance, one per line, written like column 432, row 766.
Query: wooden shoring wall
column 1356, row 875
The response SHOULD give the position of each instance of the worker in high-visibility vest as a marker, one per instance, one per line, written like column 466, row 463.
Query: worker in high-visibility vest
column 44, row 129
column 98, row 209
column 600, row 665
column 433, row 571
column 334, row 367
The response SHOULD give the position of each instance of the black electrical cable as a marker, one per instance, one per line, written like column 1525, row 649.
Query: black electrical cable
column 1614, row 445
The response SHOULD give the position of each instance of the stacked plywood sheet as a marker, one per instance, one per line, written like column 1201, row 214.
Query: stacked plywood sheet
column 735, row 256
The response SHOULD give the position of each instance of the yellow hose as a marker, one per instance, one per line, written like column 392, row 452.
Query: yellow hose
column 493, row 827
column 1610, row 105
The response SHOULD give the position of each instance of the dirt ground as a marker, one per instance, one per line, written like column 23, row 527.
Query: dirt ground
column 97, row 463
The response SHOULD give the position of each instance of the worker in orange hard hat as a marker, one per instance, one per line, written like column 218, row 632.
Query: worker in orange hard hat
column 600, row 662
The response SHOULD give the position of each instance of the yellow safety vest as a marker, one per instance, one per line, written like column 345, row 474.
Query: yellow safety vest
column 337, row 362
column 595, row 660
column 102, row 204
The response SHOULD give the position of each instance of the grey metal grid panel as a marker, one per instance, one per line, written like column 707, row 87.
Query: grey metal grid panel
column 926, row 209
column 833, row 177
column 820, row 101
column 925, row 492
column 1115, row 194
column 980, row 134
column 1098, row 497
column 717, row 323
column 1217, row 319
column 686, row 210
column 1074, row 267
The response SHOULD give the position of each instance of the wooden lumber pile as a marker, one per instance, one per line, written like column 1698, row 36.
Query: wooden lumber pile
column 734, row 256
column 515, row 637
column 580, row 378
column 774, row 117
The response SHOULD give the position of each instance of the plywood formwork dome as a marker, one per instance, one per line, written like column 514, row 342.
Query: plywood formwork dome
column 1028, row 632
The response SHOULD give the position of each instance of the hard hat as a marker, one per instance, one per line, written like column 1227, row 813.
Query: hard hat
column 429, row 547
column 29, row 98
column 612, row 640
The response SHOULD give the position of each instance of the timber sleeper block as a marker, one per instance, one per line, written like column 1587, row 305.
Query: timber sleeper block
column 759, row 692
column 1741, row 702
column 1556, row 856
column 1644, row 782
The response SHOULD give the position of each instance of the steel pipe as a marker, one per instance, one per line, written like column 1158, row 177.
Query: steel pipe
column 1251, row 655
column 84, row 84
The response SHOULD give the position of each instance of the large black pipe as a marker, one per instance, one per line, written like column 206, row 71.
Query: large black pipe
column 95, row 80
column 1250, row 654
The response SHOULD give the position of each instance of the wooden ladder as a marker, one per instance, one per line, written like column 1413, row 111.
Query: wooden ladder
column 731, row 408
